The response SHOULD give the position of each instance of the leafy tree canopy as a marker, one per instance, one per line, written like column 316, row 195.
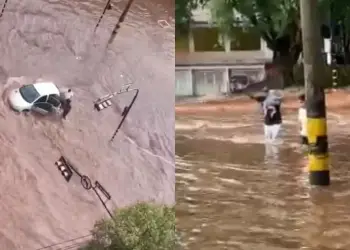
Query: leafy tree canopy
column 277, row 22
column 183, row 12
column 139, row 227
column 274, row 19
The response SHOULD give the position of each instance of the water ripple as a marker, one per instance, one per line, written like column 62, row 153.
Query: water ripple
column 250, row 200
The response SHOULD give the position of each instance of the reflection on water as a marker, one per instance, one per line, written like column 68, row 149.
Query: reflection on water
column 239, row 194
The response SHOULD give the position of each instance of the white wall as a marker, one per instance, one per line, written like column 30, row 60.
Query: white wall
column 183, row 83
column 268, row 53
column 211, row 81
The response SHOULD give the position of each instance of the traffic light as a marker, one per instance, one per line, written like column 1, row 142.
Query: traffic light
column 103, row 104
column 103, row 190
column 334, row 77
column 64, row 168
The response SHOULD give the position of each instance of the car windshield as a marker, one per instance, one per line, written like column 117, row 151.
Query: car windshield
column 29, row 93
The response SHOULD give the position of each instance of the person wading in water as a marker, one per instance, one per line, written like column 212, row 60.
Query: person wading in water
column 66, row 100
column 271, row 106
column 66, row 108
column 302, row 118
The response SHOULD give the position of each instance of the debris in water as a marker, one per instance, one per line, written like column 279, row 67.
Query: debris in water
column 68, row 170
column 108, row 6
column 164, row 23
column 105, row 102
column 120, row 21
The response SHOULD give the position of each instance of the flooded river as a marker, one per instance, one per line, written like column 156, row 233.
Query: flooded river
column 235, row 193
column 54, row 40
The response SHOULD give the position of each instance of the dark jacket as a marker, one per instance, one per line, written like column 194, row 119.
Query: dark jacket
column 271, row 106
column 66, row 108
column 272, row 114
column 272, row 109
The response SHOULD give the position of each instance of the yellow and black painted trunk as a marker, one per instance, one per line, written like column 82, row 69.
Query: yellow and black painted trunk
column 317, row 137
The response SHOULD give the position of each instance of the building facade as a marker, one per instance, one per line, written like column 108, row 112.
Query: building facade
column 209, row 63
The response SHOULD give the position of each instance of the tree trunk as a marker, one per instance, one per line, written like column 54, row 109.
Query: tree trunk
column 285, row 58
column 286, row 51
column 285, row 65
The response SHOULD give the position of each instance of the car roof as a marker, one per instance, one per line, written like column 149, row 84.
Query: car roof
column 46, row 88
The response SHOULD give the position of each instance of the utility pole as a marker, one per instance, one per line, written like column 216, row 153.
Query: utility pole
column 318, row 164
column 331, row 59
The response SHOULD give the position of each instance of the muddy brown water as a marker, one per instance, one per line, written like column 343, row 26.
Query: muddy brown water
column 234, row 192
column 53, row 40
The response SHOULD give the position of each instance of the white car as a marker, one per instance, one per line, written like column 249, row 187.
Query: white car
column 41, row 97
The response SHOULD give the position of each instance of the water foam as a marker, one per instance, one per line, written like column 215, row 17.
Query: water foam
column 200, row 124
column 238, row 139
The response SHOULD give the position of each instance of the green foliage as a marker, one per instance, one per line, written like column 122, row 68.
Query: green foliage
column 183, row 13
column 139, row 227
column 342, row 81
column 274, row 19
column 278, row 23
column 341, row 16
column 271, row 18
column 340, row 10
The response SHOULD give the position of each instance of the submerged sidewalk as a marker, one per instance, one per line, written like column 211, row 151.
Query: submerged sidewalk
column 339, row 99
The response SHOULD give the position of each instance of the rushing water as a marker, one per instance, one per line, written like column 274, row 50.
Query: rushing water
column 54, row 40
column 235, row 193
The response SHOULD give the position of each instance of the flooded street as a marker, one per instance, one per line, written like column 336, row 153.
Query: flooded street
column 235, row 193
column 54, row 40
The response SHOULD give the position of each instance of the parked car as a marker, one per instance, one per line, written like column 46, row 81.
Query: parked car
column 41, row 97
column 238, row 83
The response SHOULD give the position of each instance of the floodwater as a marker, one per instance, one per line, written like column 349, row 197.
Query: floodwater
column 54, row 40
column 235, row 193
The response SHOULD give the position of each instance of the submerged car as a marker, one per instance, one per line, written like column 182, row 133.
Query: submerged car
column 41, row 97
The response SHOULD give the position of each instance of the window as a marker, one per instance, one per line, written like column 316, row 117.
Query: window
column 207, row 39
column 44, row 105
column 182, row 42
column 245, row 39
column 208, row 82
column 42, row 99
column 29, row 93
column 54, row 100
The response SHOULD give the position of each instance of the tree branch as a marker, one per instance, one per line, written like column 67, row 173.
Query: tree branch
column 268, row 36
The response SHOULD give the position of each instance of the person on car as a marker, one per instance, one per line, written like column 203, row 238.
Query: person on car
column 66, row 94
column 66, row 108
